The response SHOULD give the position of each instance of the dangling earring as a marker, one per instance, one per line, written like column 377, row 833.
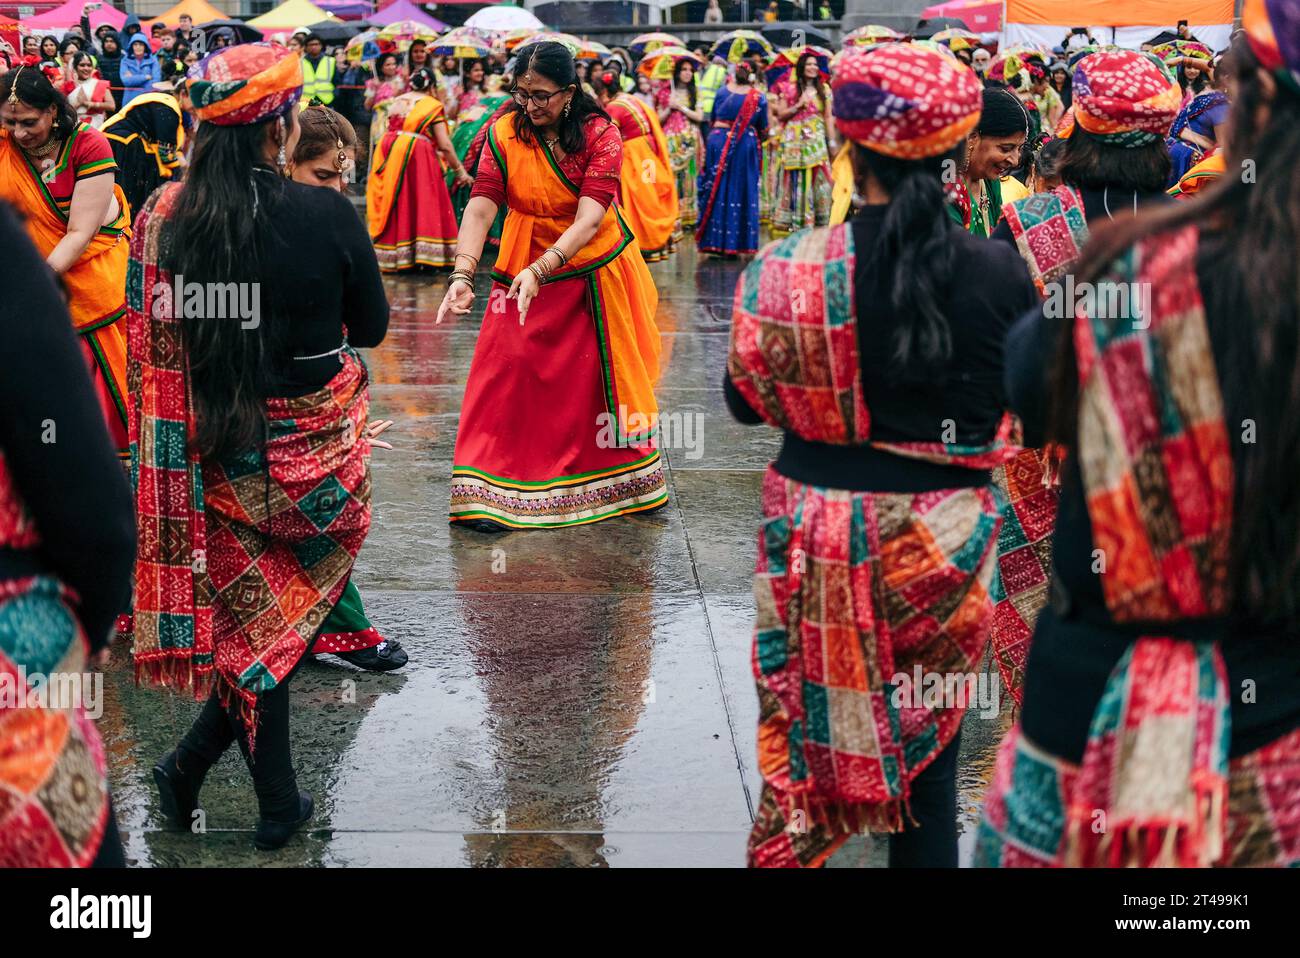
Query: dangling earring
column 281, row 160
column 567, row 107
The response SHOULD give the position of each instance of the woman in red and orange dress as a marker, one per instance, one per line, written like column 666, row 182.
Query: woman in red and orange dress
column 649, row 190
column 559, row 420
column 408, row 208
column 58, row 173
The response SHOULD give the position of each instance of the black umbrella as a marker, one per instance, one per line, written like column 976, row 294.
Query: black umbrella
column 337, row 31
column 783, row 34
column 1164, row 36
column 929, row 27
column 242, row 31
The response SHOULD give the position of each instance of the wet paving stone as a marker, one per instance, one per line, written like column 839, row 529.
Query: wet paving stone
column 575, row 698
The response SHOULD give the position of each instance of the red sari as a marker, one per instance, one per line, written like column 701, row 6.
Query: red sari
column 408, row 208
column 559, row 420
column 96, row 282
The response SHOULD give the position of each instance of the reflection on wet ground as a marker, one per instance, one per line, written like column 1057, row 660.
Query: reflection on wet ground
column 579, row 697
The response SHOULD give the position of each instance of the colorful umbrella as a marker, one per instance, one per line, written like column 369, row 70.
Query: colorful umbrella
column 659, row 64
column 787, row 59
column 870, row 35
column 462, row 44
column 1009, row 62
column 936, row 47
column 591, row 50
column 504, row 16
column 650, row 42
column 1183, row 48
column 955, row 39
column 512, row 38
column 551, row 36
column 408, row 30
column 738, row 44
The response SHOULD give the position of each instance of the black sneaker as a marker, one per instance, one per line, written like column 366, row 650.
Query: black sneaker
column 384, row 657
column 272, row 835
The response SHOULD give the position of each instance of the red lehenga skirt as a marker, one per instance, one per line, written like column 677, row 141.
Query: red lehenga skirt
column 420, row 229
column 537, row 447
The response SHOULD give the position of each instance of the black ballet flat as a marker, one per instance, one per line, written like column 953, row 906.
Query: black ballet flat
column 273, row 835
column 178, row 797
column 384, row 657
column 484, row 525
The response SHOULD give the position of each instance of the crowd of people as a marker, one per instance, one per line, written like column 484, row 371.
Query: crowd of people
column 1097, row 494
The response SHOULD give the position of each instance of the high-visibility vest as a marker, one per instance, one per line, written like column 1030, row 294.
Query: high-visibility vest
column 318, row 83
column 707, row 87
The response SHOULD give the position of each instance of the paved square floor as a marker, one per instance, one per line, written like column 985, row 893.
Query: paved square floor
column 578, row 697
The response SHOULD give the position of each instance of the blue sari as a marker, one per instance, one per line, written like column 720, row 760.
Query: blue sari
column 728, row 185
column 1201, row 115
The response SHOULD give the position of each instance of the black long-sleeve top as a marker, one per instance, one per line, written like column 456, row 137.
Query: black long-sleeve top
column 319, row 275
column 1076, row 644
column 989, row 287
column 56, row 445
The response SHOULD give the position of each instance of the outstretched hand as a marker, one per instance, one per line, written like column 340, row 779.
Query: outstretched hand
column 524, row 289
column 457, row 302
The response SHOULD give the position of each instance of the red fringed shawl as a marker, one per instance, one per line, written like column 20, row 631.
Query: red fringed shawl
column 239, row 562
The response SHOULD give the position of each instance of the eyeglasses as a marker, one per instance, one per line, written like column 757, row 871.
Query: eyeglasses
column 539, row 99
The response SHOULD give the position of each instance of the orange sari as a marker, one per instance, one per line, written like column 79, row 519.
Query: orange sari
column 408, row 208
column 96, row 283
column 559, row 421
column 649, row 185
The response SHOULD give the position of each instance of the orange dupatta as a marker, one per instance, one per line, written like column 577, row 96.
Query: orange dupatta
column 96, row 283
column 389, row 165
column 542, row 203
column 649, row 184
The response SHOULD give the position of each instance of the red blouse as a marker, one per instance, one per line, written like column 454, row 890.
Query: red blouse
column 596, row 168
column 87, row 153
column 630, row 122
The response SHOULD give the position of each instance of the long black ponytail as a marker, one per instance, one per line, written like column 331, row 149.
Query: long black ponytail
column 217, row 233
column 915, row 243
column 1249, row 229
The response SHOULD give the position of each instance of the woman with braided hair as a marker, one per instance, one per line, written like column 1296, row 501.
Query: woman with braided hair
column 873, row 345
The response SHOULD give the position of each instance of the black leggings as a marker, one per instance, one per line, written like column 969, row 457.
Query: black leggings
column 932, row 841
column 270, row 761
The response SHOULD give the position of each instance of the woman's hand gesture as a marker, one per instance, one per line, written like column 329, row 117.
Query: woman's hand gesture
column 457, row 302
column 374, row 429
column 524, row 289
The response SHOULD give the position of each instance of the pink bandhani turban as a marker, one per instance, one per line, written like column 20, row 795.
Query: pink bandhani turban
column 1273, row 32
column 1127, row 99
column 905, row 101
column 245, row 84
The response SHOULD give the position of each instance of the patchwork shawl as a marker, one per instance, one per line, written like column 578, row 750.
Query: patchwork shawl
column 239, row 561
column 855, row 592
column 1152, row 788
column 53, row 772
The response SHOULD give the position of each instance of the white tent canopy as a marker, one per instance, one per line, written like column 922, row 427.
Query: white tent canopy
column 1045, row 23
